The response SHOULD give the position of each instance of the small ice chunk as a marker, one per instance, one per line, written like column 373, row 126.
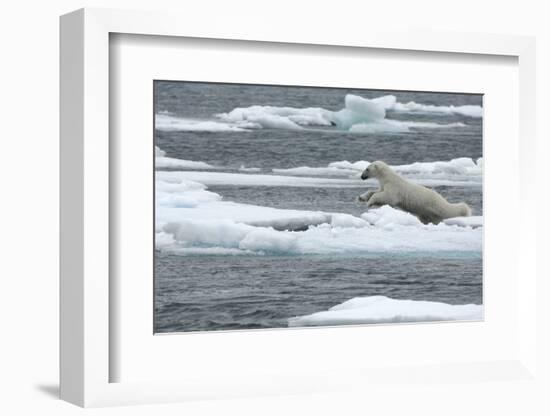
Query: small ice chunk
column 473, row 221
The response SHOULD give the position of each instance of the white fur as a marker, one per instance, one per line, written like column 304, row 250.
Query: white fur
column 397, row 192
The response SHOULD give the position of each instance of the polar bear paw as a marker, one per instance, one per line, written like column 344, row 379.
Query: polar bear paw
column 366, row 196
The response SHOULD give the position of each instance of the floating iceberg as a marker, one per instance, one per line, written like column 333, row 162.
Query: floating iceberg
column 281, row 117
column 381, row 309
column 359, row 115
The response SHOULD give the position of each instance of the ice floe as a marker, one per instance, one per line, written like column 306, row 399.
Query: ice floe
column 243, row 168
column 474, row 111
column 359, row 115
column 382, row 309
column 166, row 122
column 245, row 179
column 188, row 216
column 164, row 162
column 172, row 163
column 460, row 170
column 458, row 166
column 191, row 220
column 473, row 221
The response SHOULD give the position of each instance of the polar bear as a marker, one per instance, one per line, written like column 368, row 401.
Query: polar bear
column 397, row 192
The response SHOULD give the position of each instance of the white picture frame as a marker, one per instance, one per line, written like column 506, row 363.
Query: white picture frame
column 86, row 356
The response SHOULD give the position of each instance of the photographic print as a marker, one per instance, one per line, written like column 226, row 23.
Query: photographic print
column 291, row 206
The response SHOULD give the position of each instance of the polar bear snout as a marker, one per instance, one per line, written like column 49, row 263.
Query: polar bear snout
column 374, row 170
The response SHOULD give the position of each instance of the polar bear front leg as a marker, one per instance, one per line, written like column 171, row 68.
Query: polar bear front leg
column 366, row 196
column 378, row 199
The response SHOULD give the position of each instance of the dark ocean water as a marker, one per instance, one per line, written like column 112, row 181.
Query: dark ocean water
column 196, row 293
column 212, row 293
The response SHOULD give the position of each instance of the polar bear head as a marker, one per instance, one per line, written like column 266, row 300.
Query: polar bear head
column 376, row 170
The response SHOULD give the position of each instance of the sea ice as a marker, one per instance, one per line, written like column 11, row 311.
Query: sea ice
column 166, row 122
column 292, row 179
column 473, row 221
column 360, row 115
column 172, row 163
column 381, row 309
column 462, row 171
column 188, row 215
